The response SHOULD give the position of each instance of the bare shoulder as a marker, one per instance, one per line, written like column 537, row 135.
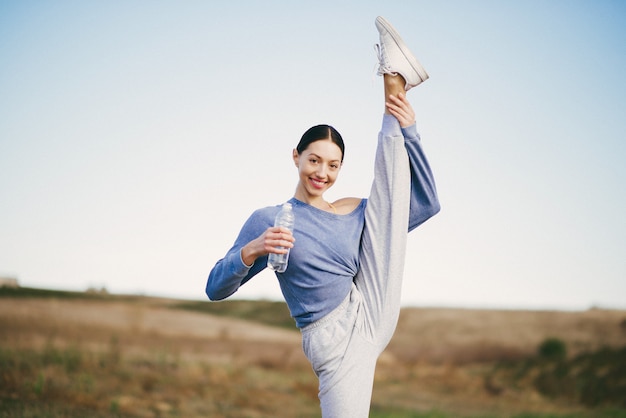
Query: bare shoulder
column 346, row 205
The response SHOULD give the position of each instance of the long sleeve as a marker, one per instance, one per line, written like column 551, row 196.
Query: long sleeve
column 424, row 200
column 230, row 272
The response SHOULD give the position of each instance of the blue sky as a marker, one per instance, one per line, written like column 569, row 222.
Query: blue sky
column 137, row 137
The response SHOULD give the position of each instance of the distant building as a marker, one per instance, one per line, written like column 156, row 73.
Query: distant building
column 9, row 282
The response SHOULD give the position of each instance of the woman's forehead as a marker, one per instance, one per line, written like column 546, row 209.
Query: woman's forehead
column 324, row 148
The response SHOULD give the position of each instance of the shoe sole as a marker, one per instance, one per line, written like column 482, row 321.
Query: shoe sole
column 421, row 72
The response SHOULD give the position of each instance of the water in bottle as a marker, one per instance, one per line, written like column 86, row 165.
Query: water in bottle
column 285, row 218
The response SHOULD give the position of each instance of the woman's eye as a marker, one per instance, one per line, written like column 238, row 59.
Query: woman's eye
column 313, row 160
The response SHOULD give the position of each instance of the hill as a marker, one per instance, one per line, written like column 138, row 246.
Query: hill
column 67, row 354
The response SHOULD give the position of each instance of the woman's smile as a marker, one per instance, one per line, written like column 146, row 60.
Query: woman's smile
column 318, row 184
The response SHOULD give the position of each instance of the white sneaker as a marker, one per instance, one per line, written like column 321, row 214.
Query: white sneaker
column 395, row 58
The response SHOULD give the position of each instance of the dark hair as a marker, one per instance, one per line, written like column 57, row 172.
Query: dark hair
column 318, row 133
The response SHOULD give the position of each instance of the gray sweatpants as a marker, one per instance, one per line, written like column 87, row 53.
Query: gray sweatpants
column 344, row 345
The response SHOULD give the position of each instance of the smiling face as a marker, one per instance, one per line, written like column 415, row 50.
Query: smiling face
column 318, row 166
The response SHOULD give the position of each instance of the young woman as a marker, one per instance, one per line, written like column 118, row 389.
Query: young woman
column 344, row 276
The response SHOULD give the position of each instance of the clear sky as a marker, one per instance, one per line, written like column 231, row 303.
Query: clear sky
column 137, row 137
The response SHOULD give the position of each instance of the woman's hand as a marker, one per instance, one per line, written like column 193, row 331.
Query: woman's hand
column 274, row 240
column 399, row 106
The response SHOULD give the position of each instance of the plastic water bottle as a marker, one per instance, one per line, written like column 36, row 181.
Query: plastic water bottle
column 285, row 218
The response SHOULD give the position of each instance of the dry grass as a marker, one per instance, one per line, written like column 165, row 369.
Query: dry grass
column 138, row 357
column 462, row 336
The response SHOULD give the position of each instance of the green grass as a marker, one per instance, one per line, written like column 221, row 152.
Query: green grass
column 15, row 408
column 379, row 412
column 382, row 413
column 595, row 379
column 30, row 292
column 264, row 312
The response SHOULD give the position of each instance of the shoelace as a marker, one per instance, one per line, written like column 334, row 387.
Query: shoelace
column 382, row 67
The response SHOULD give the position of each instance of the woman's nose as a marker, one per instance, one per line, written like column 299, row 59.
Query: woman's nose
column 321, row 170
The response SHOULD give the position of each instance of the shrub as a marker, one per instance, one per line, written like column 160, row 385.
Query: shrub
column 552, row 349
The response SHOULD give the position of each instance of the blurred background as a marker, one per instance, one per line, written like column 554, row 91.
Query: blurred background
column 136, row 138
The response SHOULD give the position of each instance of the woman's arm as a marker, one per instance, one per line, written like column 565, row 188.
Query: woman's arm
column 248, row 255
column 424, row 200
column 229, row 274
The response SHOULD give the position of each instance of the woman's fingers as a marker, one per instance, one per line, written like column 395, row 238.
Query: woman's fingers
column 400, row 107
column 279, row 237
column 284, row 234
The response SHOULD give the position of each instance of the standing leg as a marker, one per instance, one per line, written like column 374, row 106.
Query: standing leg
column 343, row 360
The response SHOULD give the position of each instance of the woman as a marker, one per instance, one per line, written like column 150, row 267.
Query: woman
column 344, row 277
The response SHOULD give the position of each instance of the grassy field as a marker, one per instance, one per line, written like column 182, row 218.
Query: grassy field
column 72, row 354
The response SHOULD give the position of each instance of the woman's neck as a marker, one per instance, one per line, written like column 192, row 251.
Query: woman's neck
column 316, row 201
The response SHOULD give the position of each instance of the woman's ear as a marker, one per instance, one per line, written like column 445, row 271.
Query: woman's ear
column 296, row 157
